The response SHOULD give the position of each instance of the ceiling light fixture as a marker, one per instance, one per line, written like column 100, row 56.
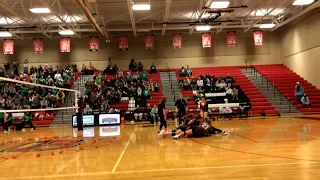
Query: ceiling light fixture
column 5, row 34
column 219, row 4
column 66, row 32
column 203, row 28
column 40, row 10
column 141, row 7
column 302, row 2
column 267, row 26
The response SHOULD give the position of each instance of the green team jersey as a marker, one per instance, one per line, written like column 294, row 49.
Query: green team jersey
column 42, row 80
column 146, row 92
column 54, row 92
column 24, row 91
column 128, row 77
column 98, row 79
column 65, row 75
column 60, row 81
column 185, row 82
column 50, row 80
column 144, row 75
column 27, row 117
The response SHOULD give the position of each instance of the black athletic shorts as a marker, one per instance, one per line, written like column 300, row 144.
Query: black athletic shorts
column 198, row 132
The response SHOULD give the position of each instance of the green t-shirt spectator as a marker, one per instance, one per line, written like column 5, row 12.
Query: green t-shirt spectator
column 24, row 91
column 146, row 92
column 49, row 80
column 128, row 77
column 185, row 83
column 55, row 92
column 144, row 75
column 60, row 81
column 198, row 95
column 189, row 70
column 182, row 70
column 27, row 117
column 42, row 80
column 138, row 75
column 1, row 114
column 186, row 98
column 65, row 75
column 10, row 118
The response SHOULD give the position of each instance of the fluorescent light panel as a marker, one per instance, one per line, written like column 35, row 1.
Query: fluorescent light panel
column 66, row 32
column 267, row 26
column 141, row 7
column 40, row 10
column 5, row 34
column 219, row 4
column 203, row 28
column 302, row 2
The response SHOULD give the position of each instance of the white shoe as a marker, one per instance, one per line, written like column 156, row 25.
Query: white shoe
column 160, row 134
column 175, row 137
column 225, row 132
column 132, row 122
column 6, row 132
column 154, row 123
column 23, row 130
column 31, row 129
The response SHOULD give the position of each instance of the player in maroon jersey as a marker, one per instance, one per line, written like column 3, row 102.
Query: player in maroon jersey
column 195, row 128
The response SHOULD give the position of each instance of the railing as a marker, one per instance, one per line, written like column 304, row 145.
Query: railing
column 275, row 90
column 170, row 81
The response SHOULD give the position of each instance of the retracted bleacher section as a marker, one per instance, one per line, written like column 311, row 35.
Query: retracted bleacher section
column 248, row 93
column 284, row 80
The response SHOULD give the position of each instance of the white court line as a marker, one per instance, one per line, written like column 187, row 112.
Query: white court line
column 123, row 151
column 158, row 170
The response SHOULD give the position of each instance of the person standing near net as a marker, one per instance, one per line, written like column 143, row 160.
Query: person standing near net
column 162, row 114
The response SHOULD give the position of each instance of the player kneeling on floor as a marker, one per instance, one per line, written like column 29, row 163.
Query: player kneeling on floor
column 195, row 128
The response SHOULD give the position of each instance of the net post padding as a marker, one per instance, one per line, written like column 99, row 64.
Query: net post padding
column 40, row 85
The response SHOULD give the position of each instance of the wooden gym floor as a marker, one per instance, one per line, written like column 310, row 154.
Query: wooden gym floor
column 272, row 148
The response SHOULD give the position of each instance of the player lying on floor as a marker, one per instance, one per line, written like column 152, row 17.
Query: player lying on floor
column 195, row 128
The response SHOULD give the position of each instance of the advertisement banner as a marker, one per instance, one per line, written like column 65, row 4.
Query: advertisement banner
column 38, row 45
column 109, row 131
column 148, row 41
column 258, row 38
column 123, row 43
column 93, row 43
column 109, row 119
column 88, row 120
column 177, row 40
column 8, row 46
column 65, row 45
column 206, row 40
column 232, row 38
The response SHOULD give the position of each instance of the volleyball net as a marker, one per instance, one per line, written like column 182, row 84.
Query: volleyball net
column 21, row 96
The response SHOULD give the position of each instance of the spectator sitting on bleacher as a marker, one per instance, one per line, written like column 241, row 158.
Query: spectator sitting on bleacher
column 144, row 75
column 193, row 84
column 8, row 119
column 189, row 71
column 87, row 110
column 200, row 83
column 157, row 86
column 186, row 84
column 183, row 72
column 180, row 83
column 147, row 113
column 305, row 101
column 235, row 93
column 201, row 76
column 222, row 85
column 153, row 69
column 137, row 114
column 120, row 74
column 115, row 69
column 146, row 93
column 229, row 91
column 229, row 79
column 83, row 69
column 140, row 66
column 154, row 114
column 299, row 92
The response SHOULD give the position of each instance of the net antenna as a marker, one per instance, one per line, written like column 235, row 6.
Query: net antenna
column 77, row 94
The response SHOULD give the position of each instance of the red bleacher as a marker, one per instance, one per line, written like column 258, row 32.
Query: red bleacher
column 258, row 101
column 285, row 80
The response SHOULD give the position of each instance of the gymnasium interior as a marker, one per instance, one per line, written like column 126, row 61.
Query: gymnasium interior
column 82, row 83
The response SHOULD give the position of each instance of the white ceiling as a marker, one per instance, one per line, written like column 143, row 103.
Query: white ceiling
column 115, row 17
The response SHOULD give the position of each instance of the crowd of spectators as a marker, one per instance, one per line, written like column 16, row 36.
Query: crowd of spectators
column 109, row 87
column 18, row 96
